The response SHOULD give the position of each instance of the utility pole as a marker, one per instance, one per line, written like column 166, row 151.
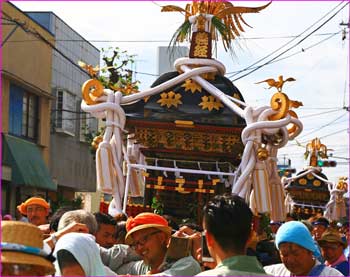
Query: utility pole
column 345, row 24
column 344, row 30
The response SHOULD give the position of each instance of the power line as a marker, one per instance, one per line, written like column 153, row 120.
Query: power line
column 303, row 143
column 295, row 153
column 287, row 57
column 162, row 40
column 336, row 157
column 346, row 81
column 40, row 37
column 285, row 51
column 338, row 122
column 74, row 118
column 69, row 111
column 272, row 60
column 285, row 37
column 152, row 41
column 342, row 163
column 329, row 135
column 144, row 41
column 323, row 126
column 144, row 73
column 61, row 53
column 318, row 108
column 321, row 113
column 299, row 52
column 341, row 121
column 157, row 75
column 333, row 124
column 300, row 154
column 275, row 51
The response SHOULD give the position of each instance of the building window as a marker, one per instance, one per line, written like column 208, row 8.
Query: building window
column 65, row 112
column 88, row 125
column 23, row 114
column 84, row 128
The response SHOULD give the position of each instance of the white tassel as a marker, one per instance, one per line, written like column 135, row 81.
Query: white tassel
column 106, row 179
column 261, row 189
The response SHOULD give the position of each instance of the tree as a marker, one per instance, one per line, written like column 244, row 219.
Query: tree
column 115, row 74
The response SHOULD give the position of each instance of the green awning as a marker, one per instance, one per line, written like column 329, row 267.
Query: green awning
column 28, row 166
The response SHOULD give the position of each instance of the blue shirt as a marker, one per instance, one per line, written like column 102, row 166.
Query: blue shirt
column 343, row 267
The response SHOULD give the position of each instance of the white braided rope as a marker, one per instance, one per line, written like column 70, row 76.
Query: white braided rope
column 257, row 125
column 256, row 119
column 335, row 208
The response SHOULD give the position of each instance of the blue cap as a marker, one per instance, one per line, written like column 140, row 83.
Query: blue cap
column 296, row 232
column 321, row 221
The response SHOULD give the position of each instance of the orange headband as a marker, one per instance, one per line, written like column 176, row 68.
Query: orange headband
column 32, row 201
column 145, row 218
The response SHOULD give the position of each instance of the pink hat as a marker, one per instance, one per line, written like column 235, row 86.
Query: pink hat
column 7, row 217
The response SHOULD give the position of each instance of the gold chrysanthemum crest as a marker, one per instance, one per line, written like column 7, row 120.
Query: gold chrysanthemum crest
column 210, row 103
column 170, row 99
column 192, row 86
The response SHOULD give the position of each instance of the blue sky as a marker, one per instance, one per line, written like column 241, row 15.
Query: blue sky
column 320, row 63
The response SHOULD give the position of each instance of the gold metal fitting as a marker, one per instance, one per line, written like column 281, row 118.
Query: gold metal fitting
column 263, row 154
column 91, row 90
column 96, row 141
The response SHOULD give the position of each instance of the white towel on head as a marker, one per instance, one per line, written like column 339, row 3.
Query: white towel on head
column 85, row 250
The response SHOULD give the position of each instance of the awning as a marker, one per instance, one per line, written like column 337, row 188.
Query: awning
column 28, row 167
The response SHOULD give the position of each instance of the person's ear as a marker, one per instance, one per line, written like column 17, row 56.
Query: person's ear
column 209, row 238
column 251, row 236
column 164, row 238
column 47, row 212
column 252, row 239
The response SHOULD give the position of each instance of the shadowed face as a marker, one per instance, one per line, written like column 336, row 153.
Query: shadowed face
column 105, row 235
column 298, row 260
column 72, row 270
column 318, row 231
column 37, row 214
column 274, row 228
column 331, row 251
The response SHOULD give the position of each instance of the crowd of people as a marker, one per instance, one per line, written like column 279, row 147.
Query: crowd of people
column 79, row 243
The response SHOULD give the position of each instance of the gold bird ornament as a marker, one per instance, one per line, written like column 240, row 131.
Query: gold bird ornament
column 89, row 68
column 92, row 70
column 277, row 84
column 295, row 104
